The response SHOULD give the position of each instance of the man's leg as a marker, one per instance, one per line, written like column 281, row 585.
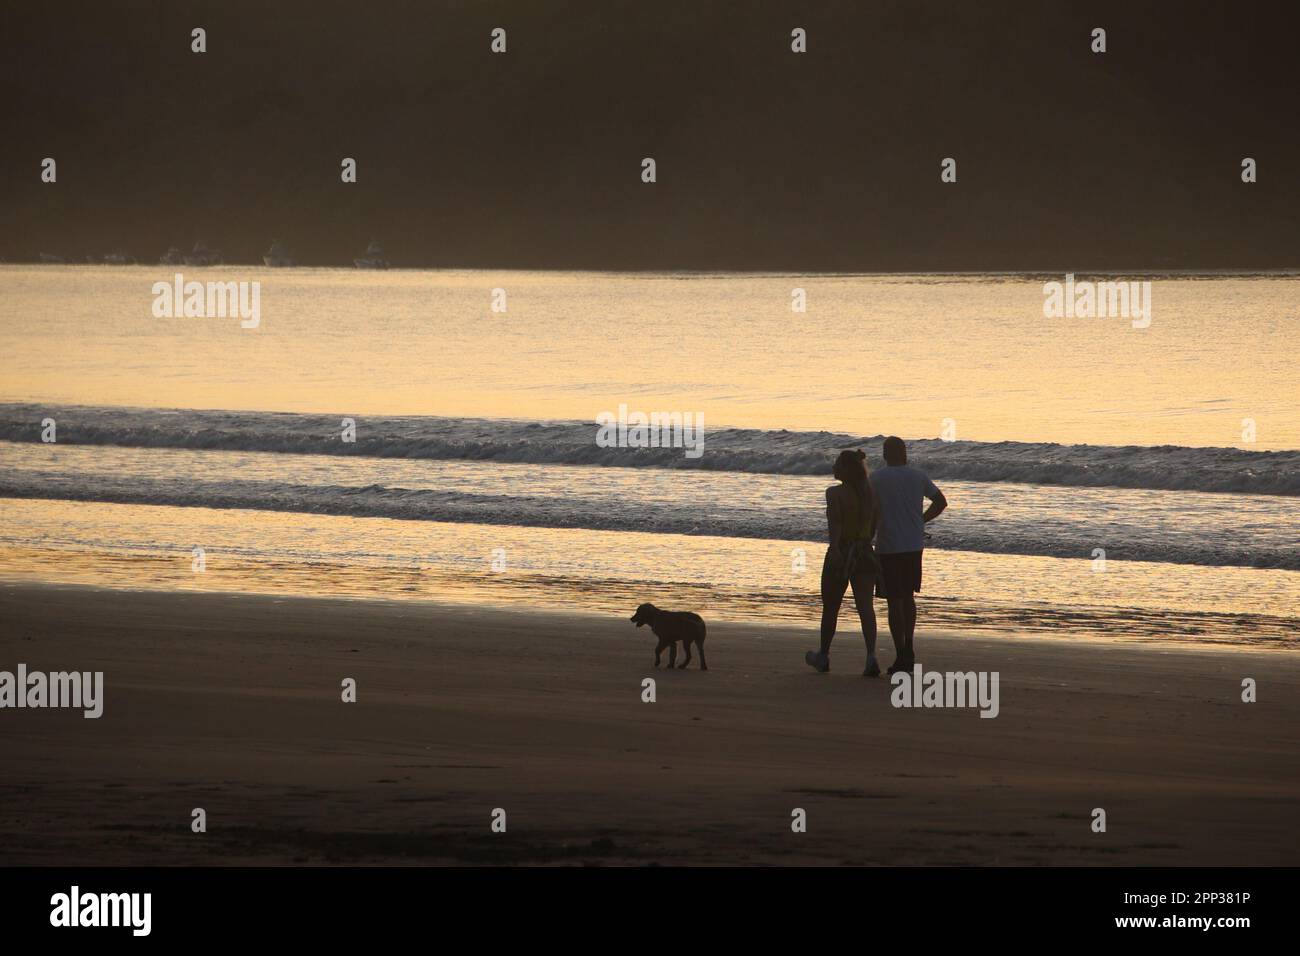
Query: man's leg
column 908, row 614
column 913, row 586
column 897, row 627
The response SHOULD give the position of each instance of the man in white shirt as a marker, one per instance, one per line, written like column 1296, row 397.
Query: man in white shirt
column 900, row 541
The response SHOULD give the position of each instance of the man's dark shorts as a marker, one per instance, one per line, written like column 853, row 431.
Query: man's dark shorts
column 900, row 573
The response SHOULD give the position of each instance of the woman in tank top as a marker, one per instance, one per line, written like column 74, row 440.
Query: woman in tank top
column 852, row 515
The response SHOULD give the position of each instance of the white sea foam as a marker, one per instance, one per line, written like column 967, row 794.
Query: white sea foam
column 781, row 452
column 1212, row 529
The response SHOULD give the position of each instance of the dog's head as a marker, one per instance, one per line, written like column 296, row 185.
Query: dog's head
column 644, row 614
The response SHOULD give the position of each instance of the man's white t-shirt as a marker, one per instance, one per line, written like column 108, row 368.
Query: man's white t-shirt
column 900, row 490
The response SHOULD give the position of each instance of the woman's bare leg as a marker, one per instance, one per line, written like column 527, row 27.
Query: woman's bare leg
column 832, row 597
column 863, row 589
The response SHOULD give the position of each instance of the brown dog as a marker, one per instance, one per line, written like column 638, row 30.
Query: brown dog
column 671, row 627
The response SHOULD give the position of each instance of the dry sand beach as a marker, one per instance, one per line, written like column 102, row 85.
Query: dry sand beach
column 232, row 703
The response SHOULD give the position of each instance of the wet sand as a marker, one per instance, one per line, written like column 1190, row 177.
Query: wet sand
column 232, row 703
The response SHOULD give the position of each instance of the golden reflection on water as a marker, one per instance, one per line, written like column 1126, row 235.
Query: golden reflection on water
column 151, row 547
column 885, row 354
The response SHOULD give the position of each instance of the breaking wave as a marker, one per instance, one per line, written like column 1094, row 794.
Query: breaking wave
column 780, row 452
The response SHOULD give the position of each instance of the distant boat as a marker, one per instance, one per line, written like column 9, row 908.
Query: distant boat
column 277, row 257
column 173, row 257
column 119, row 259
column 374, row 257
column 52, row 260
column 201, row 255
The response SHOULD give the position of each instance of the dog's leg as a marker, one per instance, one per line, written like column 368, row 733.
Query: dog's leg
column 659, row 649
column 703, row 665
column 672, row 654
column 686, row 646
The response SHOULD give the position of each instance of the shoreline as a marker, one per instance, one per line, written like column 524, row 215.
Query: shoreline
column 558, row 615
column 231, row 702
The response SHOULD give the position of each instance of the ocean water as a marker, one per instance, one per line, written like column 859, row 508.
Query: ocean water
column 1133, row 483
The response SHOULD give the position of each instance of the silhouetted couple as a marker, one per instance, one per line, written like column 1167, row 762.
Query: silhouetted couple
column 889, row 508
